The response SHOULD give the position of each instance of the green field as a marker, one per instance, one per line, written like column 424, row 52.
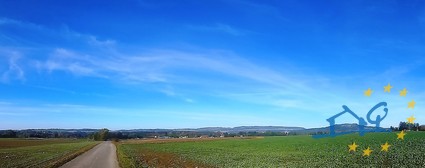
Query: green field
column 40, row 153
column 289, row 151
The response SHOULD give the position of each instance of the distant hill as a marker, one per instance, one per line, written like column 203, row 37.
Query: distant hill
column 224, row 129
column 338, row 128
column 189, row 132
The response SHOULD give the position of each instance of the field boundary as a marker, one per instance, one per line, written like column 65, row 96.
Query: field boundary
column 123, row 160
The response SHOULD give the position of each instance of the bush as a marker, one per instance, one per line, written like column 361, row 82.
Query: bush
column 422, row 128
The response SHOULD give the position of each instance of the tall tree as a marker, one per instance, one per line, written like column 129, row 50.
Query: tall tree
column 101, row 135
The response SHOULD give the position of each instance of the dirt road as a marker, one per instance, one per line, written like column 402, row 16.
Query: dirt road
column 101, row 156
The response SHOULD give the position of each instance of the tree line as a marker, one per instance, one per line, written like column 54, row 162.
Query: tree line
column 408, row 126
column 105, row 134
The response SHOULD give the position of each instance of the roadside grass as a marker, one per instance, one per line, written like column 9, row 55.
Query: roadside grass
column 289, row 151
column 53, row 154
column 123, row 159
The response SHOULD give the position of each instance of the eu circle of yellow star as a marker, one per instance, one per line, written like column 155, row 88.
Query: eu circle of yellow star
column 411, row 119
column 352, row 147
column 401, row 135
column 385, row 147
column 403, row 92
column 368, row 92
column 411, row 104
column 367, row 152
column 388, row 88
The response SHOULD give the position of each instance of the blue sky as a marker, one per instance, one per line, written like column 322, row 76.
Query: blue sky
column 187, row 64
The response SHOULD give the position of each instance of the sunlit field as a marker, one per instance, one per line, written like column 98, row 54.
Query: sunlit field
column 289, row 151
column 40, row 152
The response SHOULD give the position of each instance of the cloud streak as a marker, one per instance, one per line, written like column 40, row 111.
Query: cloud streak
column 176, row 68
column 14, row 70
column 230, row 72
column 177, row 73
column 103, row 59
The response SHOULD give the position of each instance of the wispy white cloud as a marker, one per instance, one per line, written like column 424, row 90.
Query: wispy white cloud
column 216, row 73
column 22, row 32
column 171, row 92
column 14, row 70
column 66, row 60
column 161, row 66
column 189, row 100
column 173, row 67
column 230, row 73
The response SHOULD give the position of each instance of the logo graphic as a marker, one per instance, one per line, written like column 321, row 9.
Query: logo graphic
column 362, row 123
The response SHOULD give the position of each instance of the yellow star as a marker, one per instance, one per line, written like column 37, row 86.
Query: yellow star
column 388, row 88
column 411, row 119
column 352, row 147
column 401, row 135
column 368, row 92
column 385, row 147
column 367, row 152
column 403, row 92
column 411, row 104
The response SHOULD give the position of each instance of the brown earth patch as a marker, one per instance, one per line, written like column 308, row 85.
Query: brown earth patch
column 150, row 158
column 15, row 143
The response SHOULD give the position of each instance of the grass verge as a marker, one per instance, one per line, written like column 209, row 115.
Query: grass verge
column 123, row 160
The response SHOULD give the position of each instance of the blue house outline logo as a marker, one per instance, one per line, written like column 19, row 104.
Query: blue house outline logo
column 361, row 122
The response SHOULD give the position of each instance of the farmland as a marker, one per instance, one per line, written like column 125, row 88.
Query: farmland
column 40, row 152
column 288, row 151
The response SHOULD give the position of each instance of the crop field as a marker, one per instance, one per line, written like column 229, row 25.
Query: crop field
column 288, row 151
column 15, row 142
column 40, row 153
